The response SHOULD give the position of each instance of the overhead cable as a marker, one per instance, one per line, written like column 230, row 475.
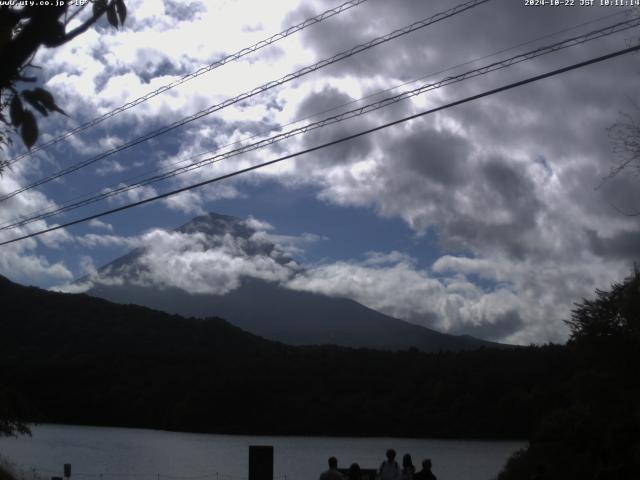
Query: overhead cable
column 258, row 90
column 329, row 144
column 167, row 168
column 218, row 63
column 571, row 42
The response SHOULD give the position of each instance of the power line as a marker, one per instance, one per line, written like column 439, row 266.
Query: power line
column 329, row 144
column 46, row 213
column 223, row 61
column 570, row 42
column 263, row 88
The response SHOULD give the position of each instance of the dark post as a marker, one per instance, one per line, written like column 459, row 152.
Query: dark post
column 260, row 462
column 67, row 470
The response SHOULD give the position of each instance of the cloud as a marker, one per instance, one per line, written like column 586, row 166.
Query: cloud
column 21, row 261
column 391, row 283
column 111, row 166
column 197, row 261
column 506, row 183
column 99, row 224
column 183, row 261
column 132, row 195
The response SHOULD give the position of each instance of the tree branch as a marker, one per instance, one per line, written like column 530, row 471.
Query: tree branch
column 73, row 15
column 82, row 28
column 622, row 212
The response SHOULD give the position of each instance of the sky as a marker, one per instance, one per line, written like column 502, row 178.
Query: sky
column 489, row 218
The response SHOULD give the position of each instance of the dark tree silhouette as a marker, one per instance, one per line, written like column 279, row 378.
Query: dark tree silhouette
column 23, row 30
column 612, row 313
column 11, row 414
column 596, row 433
column 625, row 140
column 624, row 136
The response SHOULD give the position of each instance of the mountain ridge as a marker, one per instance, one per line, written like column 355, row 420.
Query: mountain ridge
column 78, row 359
column 268, row 309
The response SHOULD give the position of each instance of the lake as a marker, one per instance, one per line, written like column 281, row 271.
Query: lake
column 99, row 453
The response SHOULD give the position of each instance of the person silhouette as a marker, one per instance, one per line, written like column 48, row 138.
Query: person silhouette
column 389, row 469
column 332, row 473
column 408, row 470
column 425, row 473
column 354, row 472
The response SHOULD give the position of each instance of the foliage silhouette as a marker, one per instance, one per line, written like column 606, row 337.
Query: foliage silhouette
column 88, row 361
column 596, row 434
column 23, row 30
column 84, row 360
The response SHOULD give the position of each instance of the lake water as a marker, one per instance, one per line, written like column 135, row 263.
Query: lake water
column 98, row 453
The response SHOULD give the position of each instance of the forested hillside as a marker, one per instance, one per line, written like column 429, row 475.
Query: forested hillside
column 78, row 359
column 594, row 433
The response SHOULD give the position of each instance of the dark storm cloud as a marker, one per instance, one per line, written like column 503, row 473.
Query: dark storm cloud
column 443, row 45
column 328, row 98
column 470, row 34
column 473, row 172
column 564, row 119
column 438, row 157
column 535, row 230
column 624, row 245
column 342, row 153
column 504, row 214
column 511, row 189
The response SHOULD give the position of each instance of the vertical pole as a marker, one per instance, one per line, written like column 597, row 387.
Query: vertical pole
column 33, row 471
column 260, row 462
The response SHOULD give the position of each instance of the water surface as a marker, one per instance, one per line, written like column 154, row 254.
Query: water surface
column 100, row 453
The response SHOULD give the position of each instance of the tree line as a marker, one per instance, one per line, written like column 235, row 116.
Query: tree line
column 81, row 360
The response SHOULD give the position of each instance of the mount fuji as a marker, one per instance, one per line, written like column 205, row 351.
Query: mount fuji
column 217, row 265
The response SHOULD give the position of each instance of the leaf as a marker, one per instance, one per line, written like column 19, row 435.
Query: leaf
column 29, row 130
column 99, row 6
column 33, row 100
column 112, row 17
column 16, row 111
column 42, row 100
column 46, row 99
column 121, row 8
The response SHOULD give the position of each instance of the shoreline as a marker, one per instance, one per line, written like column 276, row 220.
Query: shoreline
column 470, row 438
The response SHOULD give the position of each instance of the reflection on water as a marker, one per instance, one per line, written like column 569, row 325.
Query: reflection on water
column 98, row 453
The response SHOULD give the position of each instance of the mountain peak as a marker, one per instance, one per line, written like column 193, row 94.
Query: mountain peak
column 235, row 269
column 216, row 224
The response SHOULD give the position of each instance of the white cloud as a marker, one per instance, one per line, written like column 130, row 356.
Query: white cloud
column 183, row 261
column 111, row 166
column 453, row 303
column 195, row 262
column 131, row 195
column 507, row 181
column 21, row 261
column 99, row 224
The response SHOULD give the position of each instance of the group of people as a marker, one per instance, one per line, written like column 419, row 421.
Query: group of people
column 389, row 470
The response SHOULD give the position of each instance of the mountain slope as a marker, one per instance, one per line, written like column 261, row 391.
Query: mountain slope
column 82, row 360
column 295, row 318
column 264, row 307
column 56, row 322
